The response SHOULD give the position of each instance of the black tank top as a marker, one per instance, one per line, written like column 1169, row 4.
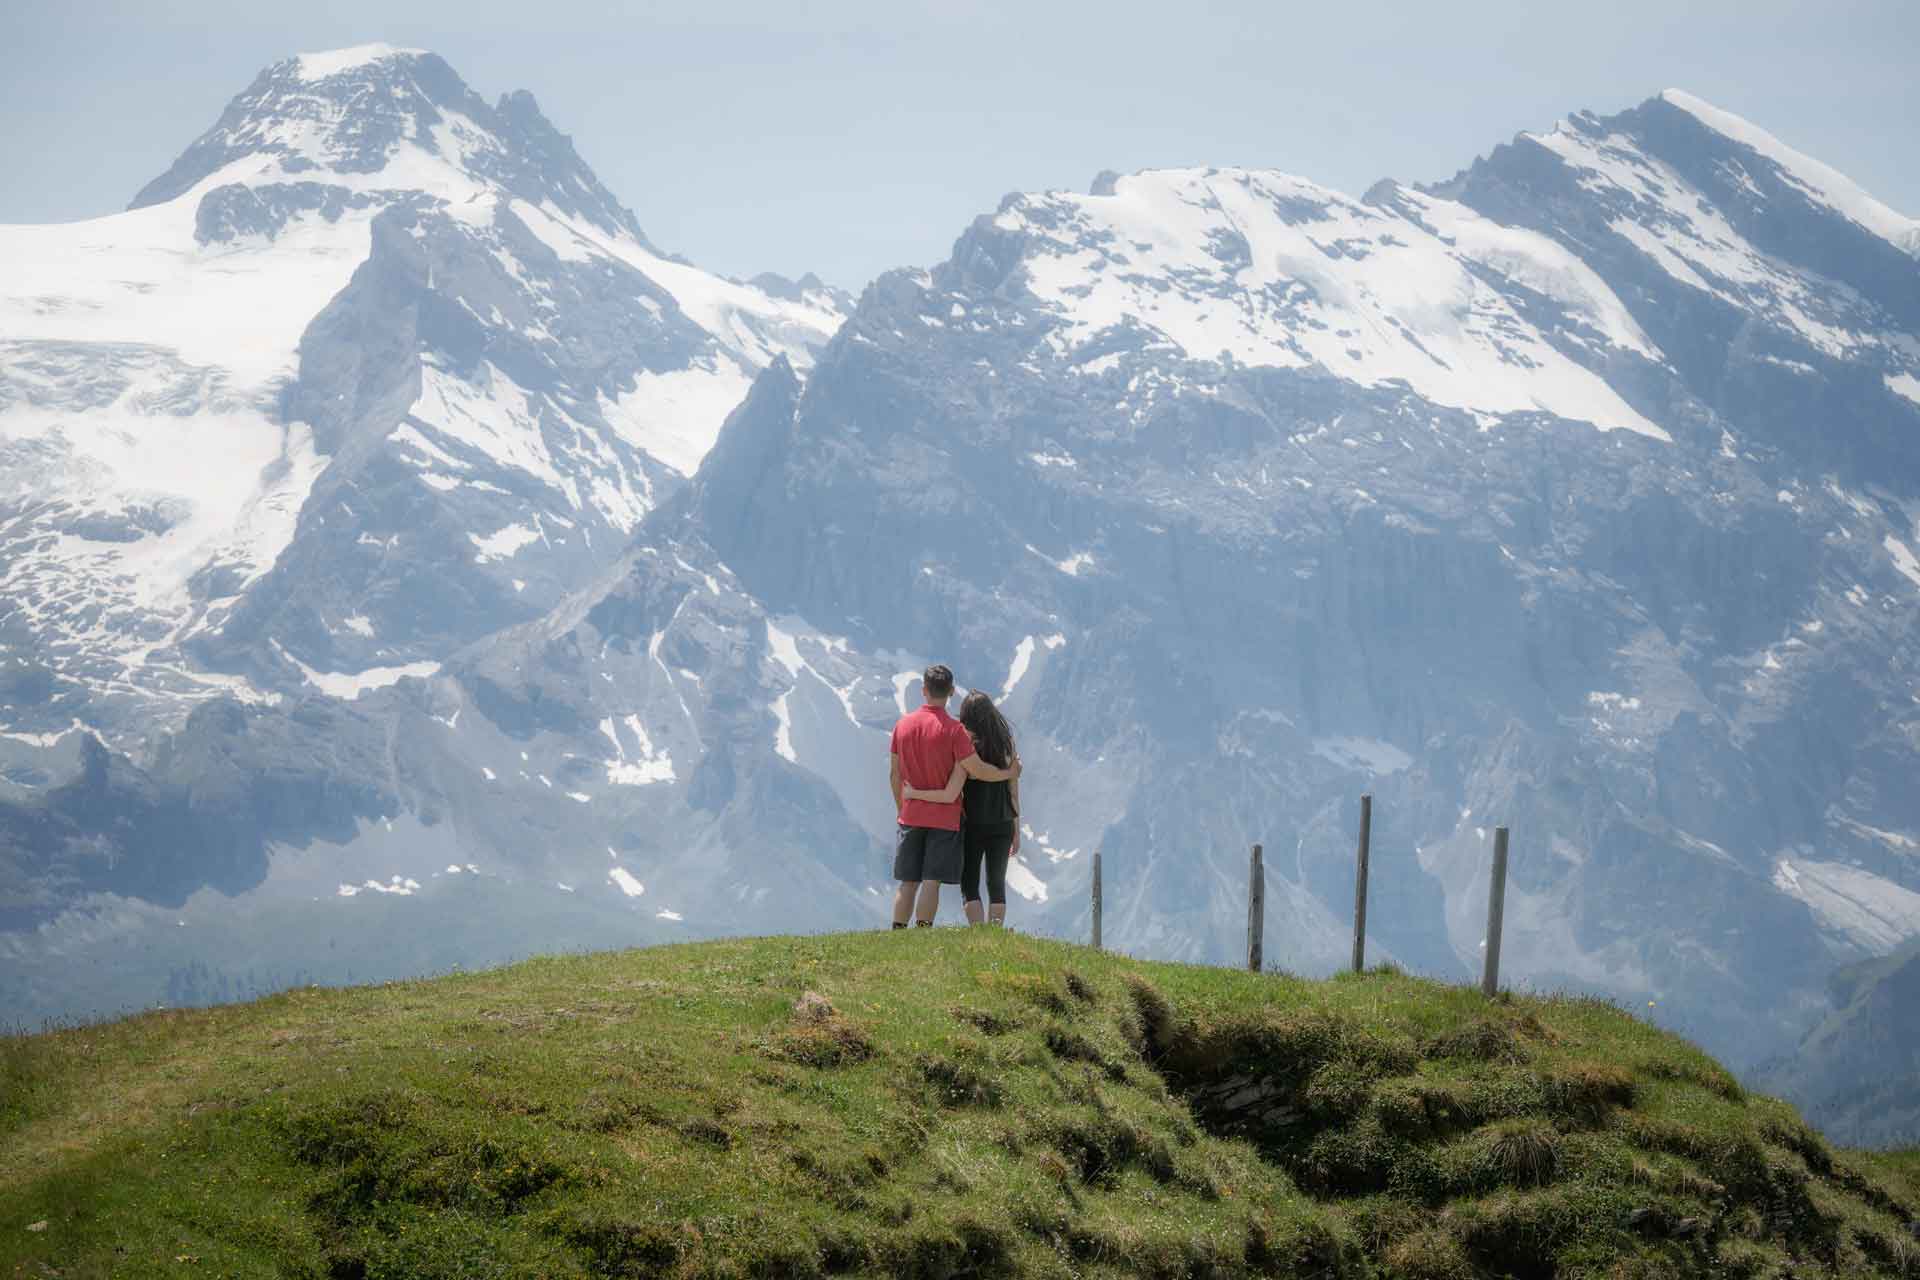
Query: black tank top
column 989, row 805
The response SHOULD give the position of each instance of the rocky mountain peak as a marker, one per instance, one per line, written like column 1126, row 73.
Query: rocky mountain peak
column 356, row 63
column 368, row 123
column 1818, row 182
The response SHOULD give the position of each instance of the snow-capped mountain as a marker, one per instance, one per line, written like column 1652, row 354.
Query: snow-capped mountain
column 374, row 369
column 1576, row 493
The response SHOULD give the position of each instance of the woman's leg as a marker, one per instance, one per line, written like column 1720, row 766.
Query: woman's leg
column 970, row 874
column 997, row 851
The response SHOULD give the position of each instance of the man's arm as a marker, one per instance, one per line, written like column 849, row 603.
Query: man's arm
column 951, row 792
column 984, row 772
column 894, row 781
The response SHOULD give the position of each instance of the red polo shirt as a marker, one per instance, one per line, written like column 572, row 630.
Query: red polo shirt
column 929, row 743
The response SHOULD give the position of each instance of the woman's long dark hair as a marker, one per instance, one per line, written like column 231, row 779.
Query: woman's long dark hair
column 992, row 735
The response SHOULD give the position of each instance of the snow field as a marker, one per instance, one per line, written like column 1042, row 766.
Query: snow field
column 676, row 416
column 1272, row 270
column 333, row 62
column 349, row 685
column 647, row 764
column 1871, row 912
column 139, row 278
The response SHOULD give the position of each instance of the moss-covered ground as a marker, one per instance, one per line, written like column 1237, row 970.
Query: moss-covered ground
column 936, row 1103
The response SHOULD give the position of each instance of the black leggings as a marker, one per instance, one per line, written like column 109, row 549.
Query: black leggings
column 989, row 846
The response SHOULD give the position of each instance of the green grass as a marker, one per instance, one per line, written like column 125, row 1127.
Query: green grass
column 947, row 1103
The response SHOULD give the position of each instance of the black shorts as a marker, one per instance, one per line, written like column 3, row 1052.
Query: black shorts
column 927, row 853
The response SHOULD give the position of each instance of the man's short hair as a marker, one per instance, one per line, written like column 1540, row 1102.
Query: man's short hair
column 937, row 681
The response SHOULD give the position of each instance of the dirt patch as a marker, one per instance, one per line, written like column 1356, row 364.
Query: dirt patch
column 960, row 1084
column 708, row 1132
column 819, row 1036
column 985, row 1021
column 1587, row 1093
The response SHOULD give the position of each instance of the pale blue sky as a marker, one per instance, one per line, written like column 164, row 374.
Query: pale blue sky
column 846, row 138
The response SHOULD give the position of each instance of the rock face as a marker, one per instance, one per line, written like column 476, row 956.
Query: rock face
column 1575, row 494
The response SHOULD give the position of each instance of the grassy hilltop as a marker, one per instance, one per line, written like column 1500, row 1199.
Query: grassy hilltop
column 932, row 1103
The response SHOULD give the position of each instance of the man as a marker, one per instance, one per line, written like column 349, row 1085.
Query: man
column 926, row 746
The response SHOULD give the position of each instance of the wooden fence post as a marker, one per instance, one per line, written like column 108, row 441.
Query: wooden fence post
column 1496, row 910
column 1360, row 885
column 1096, row 899
column 1256, row 910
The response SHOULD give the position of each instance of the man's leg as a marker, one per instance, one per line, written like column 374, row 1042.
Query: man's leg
column 928, row 904
column 909, row 852
column 903, row 903
column 940, row 865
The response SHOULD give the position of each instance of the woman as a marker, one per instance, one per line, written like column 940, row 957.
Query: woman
column 990, row 828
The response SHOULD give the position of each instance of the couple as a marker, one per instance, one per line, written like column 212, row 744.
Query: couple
column 935, row 761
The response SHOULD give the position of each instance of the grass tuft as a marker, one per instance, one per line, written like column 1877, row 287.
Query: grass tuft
column 1156, row 1029
column 1482, row 1040
column 1587, row 1093
column 1428, row 1255
column 819, row 1036
column 1522, row 1153
column 618, row 1246
column 985, row 1021
column 1071, row 1046
column 1687, row 1065
column 1041, row 990
column 960, row 1084
column 709, row 1131
column 1098, row 1148
column 1798, row 1138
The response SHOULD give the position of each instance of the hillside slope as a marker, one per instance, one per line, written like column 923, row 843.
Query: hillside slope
column 1857, row 1072
column 936, row 1104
